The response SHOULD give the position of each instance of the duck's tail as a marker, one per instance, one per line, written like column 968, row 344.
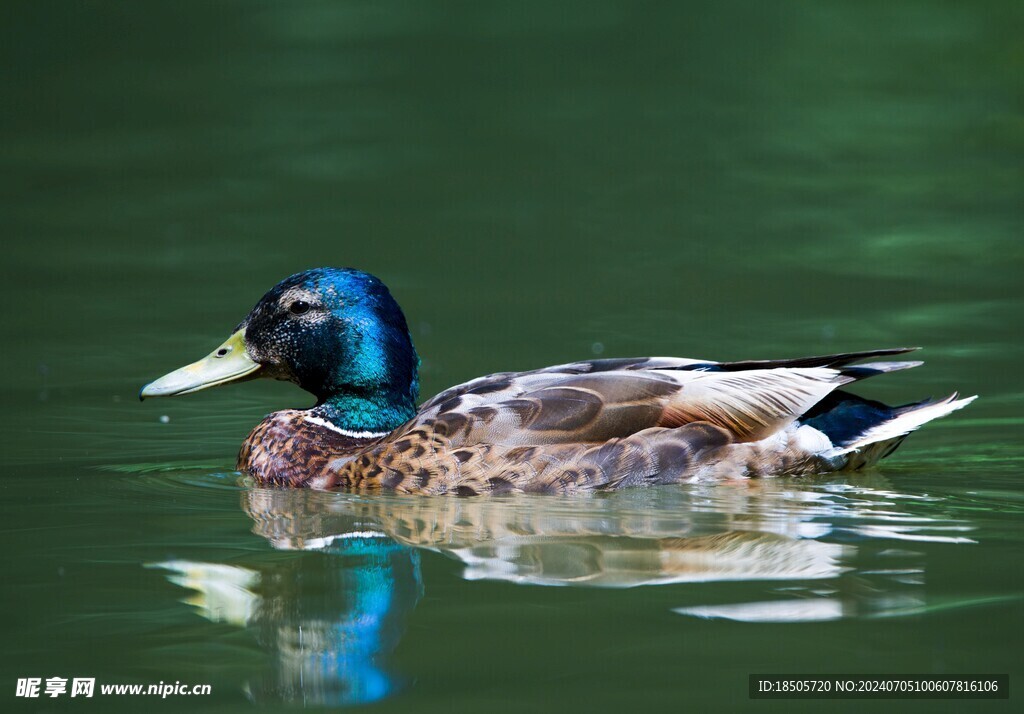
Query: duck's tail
column 880, row 438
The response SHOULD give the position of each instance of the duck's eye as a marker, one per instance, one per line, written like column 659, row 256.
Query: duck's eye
column 299, row 307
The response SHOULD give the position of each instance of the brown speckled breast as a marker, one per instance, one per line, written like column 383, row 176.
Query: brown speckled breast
column 287, row 450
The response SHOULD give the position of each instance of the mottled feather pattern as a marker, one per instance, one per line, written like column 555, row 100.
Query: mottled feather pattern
column 287, row 437
column 652, row 456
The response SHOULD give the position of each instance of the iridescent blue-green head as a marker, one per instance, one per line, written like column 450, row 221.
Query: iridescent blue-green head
column 335, row 332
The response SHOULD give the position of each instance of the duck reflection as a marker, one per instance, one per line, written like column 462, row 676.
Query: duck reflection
column 330, row 618
column 545, row 540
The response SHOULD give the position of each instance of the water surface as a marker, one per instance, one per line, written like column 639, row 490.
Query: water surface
column 537, row 183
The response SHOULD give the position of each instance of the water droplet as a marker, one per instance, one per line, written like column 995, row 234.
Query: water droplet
column 164, row 419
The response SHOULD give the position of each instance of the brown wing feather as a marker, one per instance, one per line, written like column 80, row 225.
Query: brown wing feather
column 576, row 409
column 506, row 385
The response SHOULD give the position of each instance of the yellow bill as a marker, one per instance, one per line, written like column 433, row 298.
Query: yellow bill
column 227, row 363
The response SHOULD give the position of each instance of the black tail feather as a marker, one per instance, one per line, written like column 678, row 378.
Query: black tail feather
column 837, row 360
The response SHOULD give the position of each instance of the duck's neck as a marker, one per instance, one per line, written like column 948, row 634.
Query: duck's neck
column 365, row 415
column 367, row 383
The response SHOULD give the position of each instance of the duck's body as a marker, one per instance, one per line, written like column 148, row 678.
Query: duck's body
column 601, row 424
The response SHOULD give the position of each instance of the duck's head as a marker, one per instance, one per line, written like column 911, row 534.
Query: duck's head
column 335, row 332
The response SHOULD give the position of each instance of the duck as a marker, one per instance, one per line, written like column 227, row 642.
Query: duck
column 593, row 425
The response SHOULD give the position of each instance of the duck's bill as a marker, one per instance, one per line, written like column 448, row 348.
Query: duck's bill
column 227, row 363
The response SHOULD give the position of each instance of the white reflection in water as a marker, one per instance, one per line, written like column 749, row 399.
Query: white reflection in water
column 772, row 529
column 818, row 610
column 626, row 561
column 220, row 593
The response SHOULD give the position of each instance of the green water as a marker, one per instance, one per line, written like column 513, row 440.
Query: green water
column 537, row 183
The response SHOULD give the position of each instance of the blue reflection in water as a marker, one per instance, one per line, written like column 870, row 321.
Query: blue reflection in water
column 328, row 619
column 332, row 635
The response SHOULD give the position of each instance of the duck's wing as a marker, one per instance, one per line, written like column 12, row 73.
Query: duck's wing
column 592, row 402
column 514, row 384
column 593, row 408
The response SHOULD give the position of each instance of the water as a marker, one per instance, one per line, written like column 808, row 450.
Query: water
column 537, row 184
